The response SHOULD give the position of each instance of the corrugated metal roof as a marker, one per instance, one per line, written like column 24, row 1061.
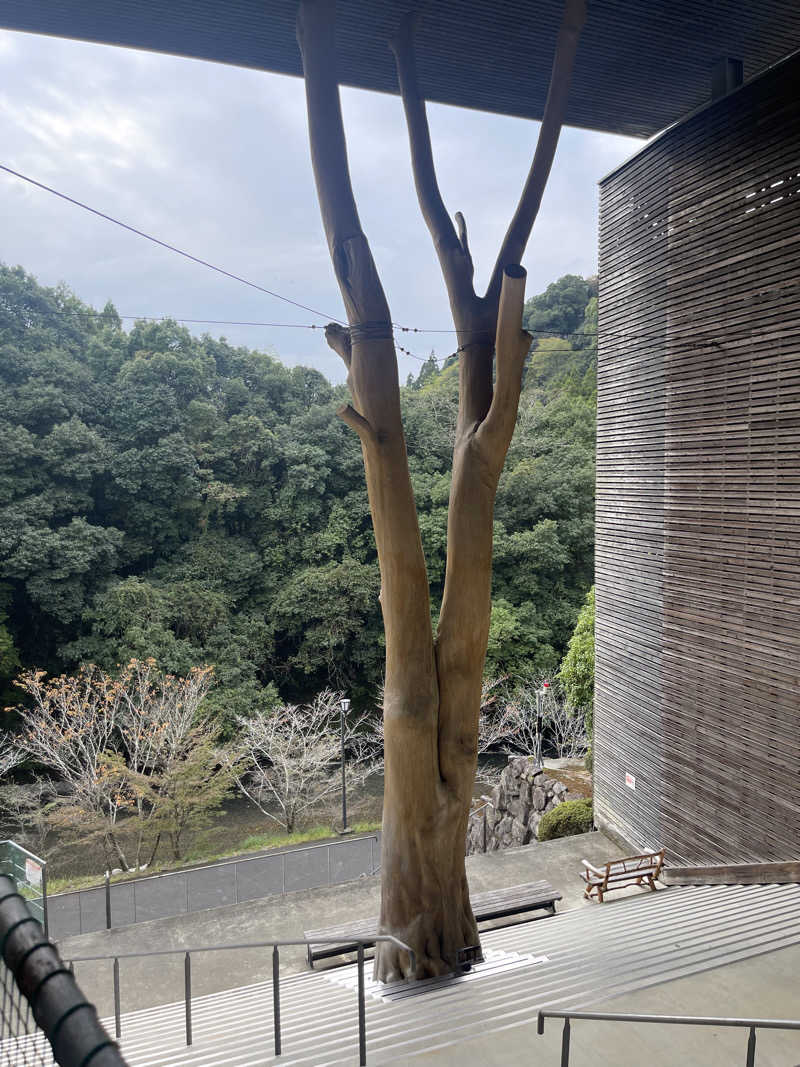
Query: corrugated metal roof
column 642, row 64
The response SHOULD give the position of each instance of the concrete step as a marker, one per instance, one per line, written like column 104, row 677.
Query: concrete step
column 572, row 959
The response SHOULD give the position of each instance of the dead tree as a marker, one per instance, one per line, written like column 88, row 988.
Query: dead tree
column 433, row 684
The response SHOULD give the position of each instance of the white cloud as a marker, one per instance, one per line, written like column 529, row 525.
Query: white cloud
column 215, row 159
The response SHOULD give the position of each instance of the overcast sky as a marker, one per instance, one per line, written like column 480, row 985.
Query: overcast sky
column 214, row 159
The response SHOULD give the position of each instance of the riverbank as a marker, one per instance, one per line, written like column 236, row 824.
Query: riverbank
column 241, row 830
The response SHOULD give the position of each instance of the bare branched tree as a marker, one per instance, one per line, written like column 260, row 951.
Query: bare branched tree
column 493, row 722
column 25, row 812
column 161, row 727
column 135, row 745
column 291, row 757
column 10, row 755
column 24, row 806
column 70, row 728
column 563, row 728
column 433, row 685
column 494, row 726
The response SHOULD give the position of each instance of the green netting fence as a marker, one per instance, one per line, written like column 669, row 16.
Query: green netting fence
column 29, row 874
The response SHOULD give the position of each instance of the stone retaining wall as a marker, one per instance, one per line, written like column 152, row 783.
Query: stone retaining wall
column 515, row 807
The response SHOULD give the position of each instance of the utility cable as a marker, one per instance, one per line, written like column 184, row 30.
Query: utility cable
column 165, row 244
column 279, row 296
column 311, row 326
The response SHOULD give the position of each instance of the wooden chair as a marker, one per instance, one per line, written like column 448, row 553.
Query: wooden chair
column 633, row 870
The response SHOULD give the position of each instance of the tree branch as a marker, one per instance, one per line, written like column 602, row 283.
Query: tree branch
column 555, row 108
column 466, row 605
column 512, row 345
column 355, row 270
column 453, row 256
column 461, row 227
column 338, row 338
column 357, row 422
column 373, row 380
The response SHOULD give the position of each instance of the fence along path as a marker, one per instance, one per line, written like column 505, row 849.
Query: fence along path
column 215, row 886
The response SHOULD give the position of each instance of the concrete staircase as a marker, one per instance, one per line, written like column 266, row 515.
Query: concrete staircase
column 572, row 959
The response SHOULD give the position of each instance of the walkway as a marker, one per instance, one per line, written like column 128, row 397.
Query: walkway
column 664, row 942
column 289, row 916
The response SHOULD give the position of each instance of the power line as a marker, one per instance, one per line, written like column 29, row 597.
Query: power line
column 217, row 322
column 226, row 274
column 165, row 244
column 580, row 334
column 619, row 336
column 311, row 326
column 217, row 269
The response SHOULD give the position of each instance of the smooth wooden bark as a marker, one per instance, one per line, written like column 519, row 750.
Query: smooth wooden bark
column 432, row 689
column 413, row 797
column 425, row 897
column 555, row 108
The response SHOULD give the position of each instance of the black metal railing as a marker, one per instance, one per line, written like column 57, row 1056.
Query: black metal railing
column 361, row 943
column 40, row 995
column 675, row 1020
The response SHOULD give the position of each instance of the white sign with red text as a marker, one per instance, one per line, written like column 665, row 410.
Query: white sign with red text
column 33, row 872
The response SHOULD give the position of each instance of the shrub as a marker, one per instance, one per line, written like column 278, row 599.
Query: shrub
column 571, row 817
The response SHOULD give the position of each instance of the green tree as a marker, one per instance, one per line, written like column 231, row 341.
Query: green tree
column 577, row 668
column 175, row 496
column 560, row 308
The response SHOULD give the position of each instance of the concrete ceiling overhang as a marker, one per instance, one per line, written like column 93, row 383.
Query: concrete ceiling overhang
column 642, row 64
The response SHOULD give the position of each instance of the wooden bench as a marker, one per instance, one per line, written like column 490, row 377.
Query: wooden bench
column 495, row 904
column 633, row 870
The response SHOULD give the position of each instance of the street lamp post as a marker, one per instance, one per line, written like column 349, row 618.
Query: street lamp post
column 541, row 696
column 344, row 707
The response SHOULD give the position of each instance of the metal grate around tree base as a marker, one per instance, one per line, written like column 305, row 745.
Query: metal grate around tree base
column 494, row 963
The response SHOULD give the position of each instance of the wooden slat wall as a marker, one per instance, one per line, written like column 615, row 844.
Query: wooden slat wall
column 640, row 64
column 698, row 485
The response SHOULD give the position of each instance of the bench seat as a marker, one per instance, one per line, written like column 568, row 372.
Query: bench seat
column 632, row 870
column 494, row 904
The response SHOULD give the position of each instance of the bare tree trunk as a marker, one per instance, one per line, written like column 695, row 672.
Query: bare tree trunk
column 154, row 850
column 112, row 848
column 432, row 688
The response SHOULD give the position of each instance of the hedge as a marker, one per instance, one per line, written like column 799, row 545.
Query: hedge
column 571, row 817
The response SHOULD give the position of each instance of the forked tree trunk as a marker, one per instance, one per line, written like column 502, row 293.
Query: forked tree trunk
column 432, row 687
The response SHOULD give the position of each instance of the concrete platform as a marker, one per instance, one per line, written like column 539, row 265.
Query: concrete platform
column 719, row 950
column 149, row 982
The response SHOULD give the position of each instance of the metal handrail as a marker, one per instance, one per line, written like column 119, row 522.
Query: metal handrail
column 276, row 1002
column 37, row 973
column 680, row 1020
column 43, row 867
column 476, row 811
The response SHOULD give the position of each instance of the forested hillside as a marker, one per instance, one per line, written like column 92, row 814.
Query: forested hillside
column 177, row 497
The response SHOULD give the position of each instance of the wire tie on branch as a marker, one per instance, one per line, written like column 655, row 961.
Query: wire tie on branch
column 371, row 331
column 477, row 337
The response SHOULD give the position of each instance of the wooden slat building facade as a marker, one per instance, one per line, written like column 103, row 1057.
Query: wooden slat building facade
column 697, row 719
